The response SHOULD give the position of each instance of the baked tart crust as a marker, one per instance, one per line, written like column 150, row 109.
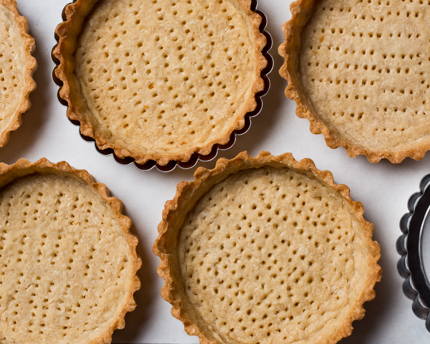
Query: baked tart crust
column 17, row 66
column 266, row 249
column 358, row 75
column 68, row 259
column 157, row 102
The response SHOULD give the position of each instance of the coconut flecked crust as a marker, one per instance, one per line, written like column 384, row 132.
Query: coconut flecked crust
column 415, row 148
column 31, row 65
column 23, row 168
column 188, row 195
column 68, row 32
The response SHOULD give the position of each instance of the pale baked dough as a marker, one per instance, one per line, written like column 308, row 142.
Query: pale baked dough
column 358, row 70
column 68, row 263
column 16, row 68
column 164, row 79
column 266, row 250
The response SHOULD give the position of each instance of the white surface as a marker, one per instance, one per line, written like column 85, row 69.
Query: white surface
column 383, row 188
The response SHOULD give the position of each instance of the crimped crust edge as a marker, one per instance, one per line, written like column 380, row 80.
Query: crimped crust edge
column 189, row 193
column 67, row 32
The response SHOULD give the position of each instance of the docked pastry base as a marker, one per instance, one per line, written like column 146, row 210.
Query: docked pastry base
column 69, row 260
column 357, row 75
column 16, row 88
column 64, row 54
column 266, row 260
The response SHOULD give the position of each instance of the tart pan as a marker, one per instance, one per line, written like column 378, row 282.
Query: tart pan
column 409, row 245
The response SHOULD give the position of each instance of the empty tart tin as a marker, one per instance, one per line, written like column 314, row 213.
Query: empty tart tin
column 411, row 265
column 216, row 147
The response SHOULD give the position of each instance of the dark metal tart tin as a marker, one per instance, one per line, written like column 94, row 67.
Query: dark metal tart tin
column 196, row 157
column 409, row 245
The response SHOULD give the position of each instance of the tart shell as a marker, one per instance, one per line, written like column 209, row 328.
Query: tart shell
column 31, row 66
column 69, row 94
column 9, row 173
column 189, row 193
column 301, row 11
